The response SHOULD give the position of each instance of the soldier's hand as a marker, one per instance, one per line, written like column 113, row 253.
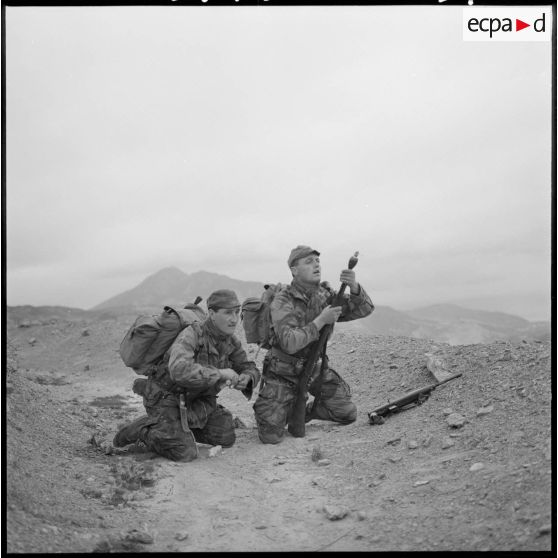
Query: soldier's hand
column 329, row 315
column 243, row 381
column 348, row 276
column 229, row 376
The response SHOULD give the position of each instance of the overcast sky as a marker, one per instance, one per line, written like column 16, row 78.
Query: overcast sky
column 217, row 138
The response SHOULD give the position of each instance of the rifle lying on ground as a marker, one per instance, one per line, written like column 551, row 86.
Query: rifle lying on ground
column 411, row 399
column 297, row 421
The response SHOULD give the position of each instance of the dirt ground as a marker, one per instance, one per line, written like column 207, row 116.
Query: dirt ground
column 468, row 470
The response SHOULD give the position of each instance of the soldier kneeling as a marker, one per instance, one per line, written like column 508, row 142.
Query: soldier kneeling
column 202, row 360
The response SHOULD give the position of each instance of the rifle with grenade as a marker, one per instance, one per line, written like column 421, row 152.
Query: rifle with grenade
column 411, row 399
column 297, row 422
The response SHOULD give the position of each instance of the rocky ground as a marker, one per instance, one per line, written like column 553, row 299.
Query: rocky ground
column 468, row 470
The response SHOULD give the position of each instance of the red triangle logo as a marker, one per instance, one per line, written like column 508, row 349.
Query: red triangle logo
column 519, row 25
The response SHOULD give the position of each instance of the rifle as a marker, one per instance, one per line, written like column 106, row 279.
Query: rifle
column 297, row 421
column 411, row 399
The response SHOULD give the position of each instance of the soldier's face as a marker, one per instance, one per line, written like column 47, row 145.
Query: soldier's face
column 225, row 319
column 308, row 270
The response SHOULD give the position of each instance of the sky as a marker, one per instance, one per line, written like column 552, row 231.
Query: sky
column 218, row 138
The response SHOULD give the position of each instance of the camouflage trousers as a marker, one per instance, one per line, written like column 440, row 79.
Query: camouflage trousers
column 161, row 430
column 277, row 396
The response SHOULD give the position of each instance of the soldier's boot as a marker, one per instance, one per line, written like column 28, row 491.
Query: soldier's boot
column 131, row 433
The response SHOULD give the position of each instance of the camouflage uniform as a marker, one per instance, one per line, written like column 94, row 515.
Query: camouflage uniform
column 191, row 366
column 292, row 312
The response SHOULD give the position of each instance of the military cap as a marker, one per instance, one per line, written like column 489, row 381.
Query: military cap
column 300, row 252
column 223, row 298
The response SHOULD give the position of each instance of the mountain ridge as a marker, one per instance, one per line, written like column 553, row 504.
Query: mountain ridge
column 443, row 322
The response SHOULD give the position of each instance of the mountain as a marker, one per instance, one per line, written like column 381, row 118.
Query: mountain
column 452, row 313
column 171, row 286
column 455, row 325
column 447, row 323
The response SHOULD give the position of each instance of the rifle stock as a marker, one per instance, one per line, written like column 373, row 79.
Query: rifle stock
column 297, row 422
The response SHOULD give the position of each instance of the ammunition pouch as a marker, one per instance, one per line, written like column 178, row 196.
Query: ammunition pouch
column 284, row 357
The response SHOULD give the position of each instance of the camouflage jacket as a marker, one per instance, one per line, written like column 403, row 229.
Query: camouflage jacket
column 194, row 359
column 294, row 308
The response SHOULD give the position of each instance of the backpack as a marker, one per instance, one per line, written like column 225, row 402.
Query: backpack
column 256, row 317
column 146, row 342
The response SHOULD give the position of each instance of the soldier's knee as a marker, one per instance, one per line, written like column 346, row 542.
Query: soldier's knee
column 225, row 439
column 346, row 414
column 181, row 452
column 272, row 409
column 270, row 434
column 169, row 440
column 219, row 429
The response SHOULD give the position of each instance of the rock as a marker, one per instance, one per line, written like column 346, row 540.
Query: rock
column 334, row 513
column 85, row 333
column 427, row 441
column 507, row 355
column 447, row 443
column 437, row 367
column 316, row 453
column 485, row 410
column 455, row 420
column 393, row 366
column 361, row 515
column 323, row 462
column 395, row 458
column 412, row 444
column 214, row 451
column 476, row 467
column 393, row 441
column 32, row 341
column 421, row 482
column 181, row 536
column 86, row 368
column 447, row 411
column 545, row 530
column 142, row 537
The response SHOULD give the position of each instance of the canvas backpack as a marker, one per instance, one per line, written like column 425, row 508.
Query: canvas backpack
column 149, row 337
column 256, row 317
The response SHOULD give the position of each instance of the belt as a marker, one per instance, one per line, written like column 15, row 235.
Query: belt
column 290, row 359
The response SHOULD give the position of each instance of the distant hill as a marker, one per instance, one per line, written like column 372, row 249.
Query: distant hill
column 446, row 323
column 454, row 313
column 174, row 287
column 454, row 325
